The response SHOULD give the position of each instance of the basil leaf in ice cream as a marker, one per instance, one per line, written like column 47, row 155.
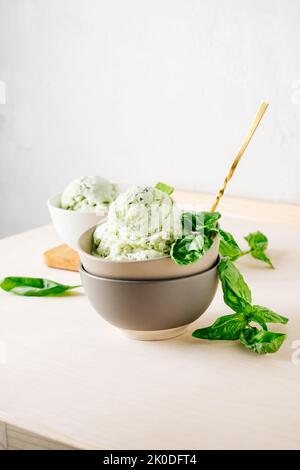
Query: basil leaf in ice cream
column 188, row 249
column 165, row 188
column 211, row 220
column 228, row 327
column 261, row 341
column 33, row 286
column 200, row 221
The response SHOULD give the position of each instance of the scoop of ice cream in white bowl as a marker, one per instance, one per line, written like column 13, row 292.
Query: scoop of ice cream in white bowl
column 84, row 203
column 135, row 241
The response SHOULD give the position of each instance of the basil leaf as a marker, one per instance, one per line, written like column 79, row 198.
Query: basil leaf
column 228, row 246
column 188, row 249
column 260, row 341
column 211, row 219
column 192, row 222
column 264, row 315
column 200, row 221
column 228, row 327
column 33, row 286
column 262, row 257
column 165, row 188
column 258, row 243
column 236, row 292
column 208, row 241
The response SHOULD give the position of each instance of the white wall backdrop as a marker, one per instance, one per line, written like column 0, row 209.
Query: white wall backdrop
column 141, row 90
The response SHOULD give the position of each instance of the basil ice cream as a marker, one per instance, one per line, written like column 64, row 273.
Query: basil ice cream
column 142, row 224
column 88, row 194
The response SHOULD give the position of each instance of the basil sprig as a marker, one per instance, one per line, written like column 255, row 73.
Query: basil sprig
column 258, row 244
column 206, row 225
column 200, row 222
column 227, row 327
column 257, row 241
column 33, row 286
column 188, row 249
column 199, row 230
column 261, row 341
column 239, row 326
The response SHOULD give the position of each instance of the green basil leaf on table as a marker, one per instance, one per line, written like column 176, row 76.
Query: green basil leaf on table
column 262, row 257
column 228, row 246
column 265, row 315
column 188, row 249
column 236, row 292
column 260, row 341
column 165, row 188
column 258, row 243
column 33, row 286
column 228, row 327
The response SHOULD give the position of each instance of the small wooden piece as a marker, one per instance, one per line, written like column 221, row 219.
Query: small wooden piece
column 62, row 257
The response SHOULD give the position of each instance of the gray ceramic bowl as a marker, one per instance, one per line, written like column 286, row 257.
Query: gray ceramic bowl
column 150, row 309
column 157, row 268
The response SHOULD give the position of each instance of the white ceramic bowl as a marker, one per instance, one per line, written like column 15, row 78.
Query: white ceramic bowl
column 157, row 268
column 69, row 225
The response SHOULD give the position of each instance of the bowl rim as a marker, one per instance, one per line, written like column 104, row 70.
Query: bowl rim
column 149, row 281
column 50, row 203
column 111, row 261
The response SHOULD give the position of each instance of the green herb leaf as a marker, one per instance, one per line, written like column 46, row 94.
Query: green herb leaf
column 228, row 246
column 228, row 327
column 33, row 286
column 211, row 220
column 258, row 244
column 260, row 341
column 200, row 221
column 188, row 249
column 264, row 315
column 165, row 188
column 257, row 241
column 236, row 292
column 262, row 257
column 237, row 326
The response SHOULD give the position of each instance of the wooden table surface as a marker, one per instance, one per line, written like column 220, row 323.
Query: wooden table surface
column 68, row 379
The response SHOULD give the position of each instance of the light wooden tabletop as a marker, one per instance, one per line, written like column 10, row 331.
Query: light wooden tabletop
column 66, row 375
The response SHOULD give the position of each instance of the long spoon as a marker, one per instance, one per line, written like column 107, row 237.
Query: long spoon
column 240, row 153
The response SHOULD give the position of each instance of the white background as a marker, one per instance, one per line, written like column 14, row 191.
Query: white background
column 139, row 91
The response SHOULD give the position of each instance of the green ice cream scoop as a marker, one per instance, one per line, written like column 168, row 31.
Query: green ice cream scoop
column 143, row 222
column 88, row 194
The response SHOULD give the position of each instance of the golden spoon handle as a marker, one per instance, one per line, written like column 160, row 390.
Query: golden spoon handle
column 240, row 153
